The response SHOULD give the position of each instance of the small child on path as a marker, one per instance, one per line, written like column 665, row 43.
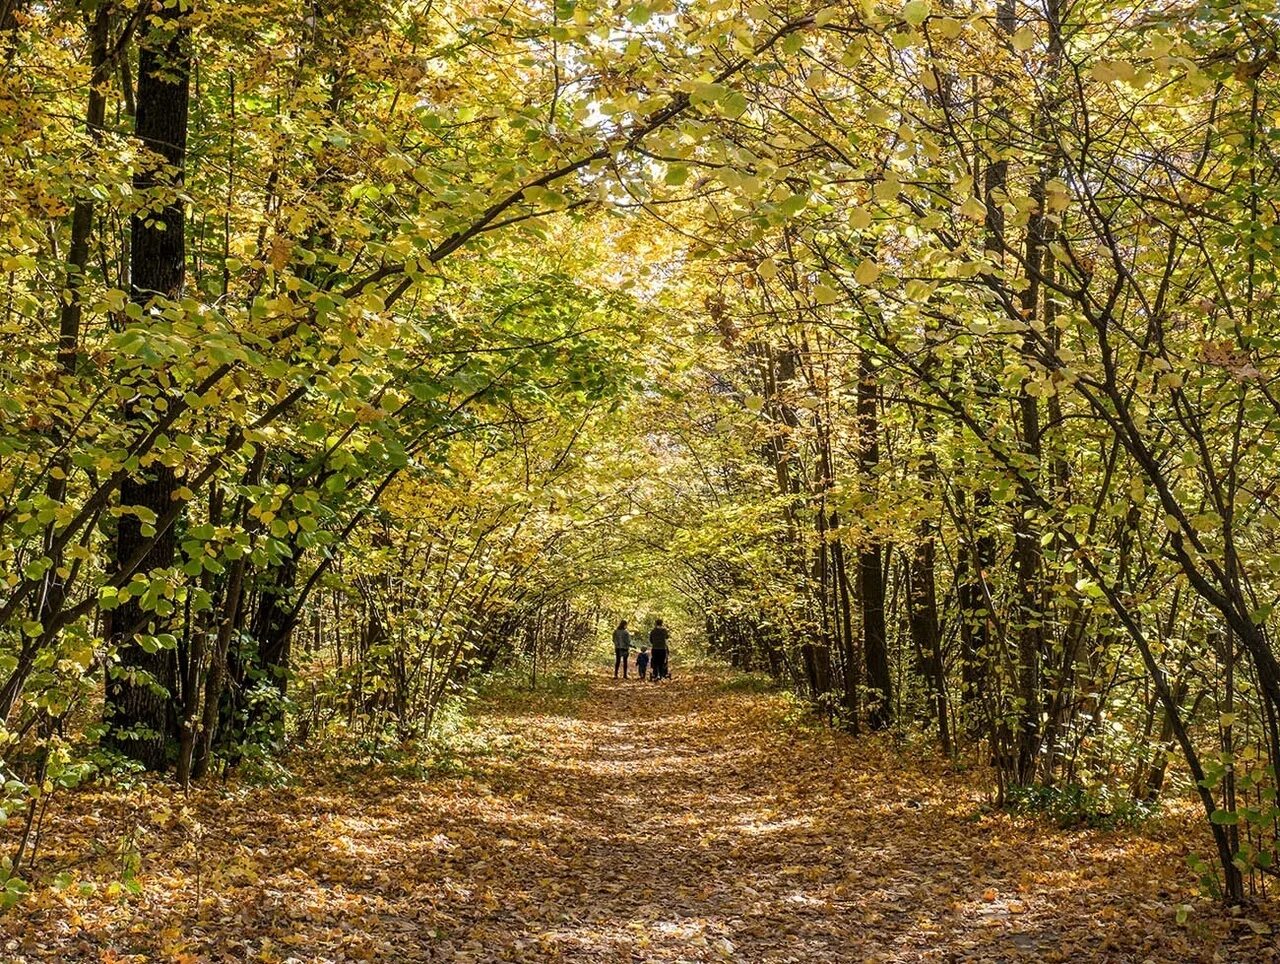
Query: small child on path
column 642, row 661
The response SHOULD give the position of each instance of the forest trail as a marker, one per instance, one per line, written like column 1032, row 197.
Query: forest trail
column 696, row 820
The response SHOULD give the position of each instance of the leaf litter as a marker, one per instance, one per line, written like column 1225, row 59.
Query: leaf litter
column 683, row 822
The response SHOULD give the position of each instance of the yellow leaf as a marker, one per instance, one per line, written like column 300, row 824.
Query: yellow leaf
column 888, row 189
column 1103, row 72
column 825, row 295
column 948, row 27
column 916, row 12
column 975, row 209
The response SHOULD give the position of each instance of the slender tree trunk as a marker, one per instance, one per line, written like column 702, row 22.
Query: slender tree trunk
column 1025, row 532
column 1153, row 781
column 272, row 630
column 875, row 635
column 852, row 676
column 974, row 562
column 926, row 629
column 72, row 311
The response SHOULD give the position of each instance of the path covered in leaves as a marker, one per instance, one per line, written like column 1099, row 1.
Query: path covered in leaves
column 690, row 821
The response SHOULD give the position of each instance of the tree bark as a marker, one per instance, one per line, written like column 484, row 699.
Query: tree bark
column 140, row 708
column 875, row 636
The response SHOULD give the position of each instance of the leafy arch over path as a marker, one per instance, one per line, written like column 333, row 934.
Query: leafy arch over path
column 920, row 356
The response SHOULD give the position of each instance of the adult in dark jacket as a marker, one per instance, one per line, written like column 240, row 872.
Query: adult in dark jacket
column 658, row 637
column 621, row 649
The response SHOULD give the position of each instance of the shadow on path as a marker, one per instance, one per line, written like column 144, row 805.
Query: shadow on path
column 686, row 821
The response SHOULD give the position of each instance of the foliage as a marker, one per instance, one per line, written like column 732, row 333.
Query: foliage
column 1077, row 806
column 921, row 357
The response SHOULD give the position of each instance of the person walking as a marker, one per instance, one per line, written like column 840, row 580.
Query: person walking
column 621, row 649
column 658, row 637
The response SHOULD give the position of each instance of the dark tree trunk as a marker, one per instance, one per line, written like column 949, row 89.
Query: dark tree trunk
column 852, row 675
column 973, row 562
column 140, row 707
column 215, row 683
column 72, row 310
column 875, row 636
column 1154, row 777
column 922, row 592
column 272, row 630
column 1025, row 532
column 141, row 689
column 926, row 631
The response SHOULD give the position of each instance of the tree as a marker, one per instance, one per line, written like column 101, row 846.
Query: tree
column 142, row 689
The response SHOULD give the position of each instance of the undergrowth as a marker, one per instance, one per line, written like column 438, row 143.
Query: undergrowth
column 515, row 687
column 1075, row 806
column 744, row 682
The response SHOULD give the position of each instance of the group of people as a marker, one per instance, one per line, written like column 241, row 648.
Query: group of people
column 651, row 660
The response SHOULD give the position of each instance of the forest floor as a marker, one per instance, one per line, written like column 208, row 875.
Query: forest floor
column 697, row 820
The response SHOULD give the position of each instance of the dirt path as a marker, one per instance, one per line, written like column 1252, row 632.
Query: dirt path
column 681, row 822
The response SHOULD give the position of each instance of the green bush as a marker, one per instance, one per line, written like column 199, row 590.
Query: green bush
column 1074, row 805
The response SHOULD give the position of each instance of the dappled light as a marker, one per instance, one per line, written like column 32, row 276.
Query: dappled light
column 639, row 480
column 721, row 830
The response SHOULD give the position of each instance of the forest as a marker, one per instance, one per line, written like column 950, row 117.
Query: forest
column 363, row 363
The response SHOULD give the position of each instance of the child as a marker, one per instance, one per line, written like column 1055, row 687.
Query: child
column 642, row 661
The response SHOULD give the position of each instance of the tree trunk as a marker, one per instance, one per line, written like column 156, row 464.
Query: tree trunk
column 1025, row 532
column 140, row 692
column 852, row 677
column 272, row 630
column 875, row 635
column 926, row 629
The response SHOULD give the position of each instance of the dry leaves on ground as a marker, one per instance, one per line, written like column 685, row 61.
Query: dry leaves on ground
column 674, row 822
